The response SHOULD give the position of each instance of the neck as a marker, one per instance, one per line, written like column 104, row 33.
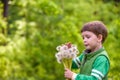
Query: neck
column 96, row 48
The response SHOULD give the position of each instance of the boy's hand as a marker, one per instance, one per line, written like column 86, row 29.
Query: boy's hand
column 68, row 73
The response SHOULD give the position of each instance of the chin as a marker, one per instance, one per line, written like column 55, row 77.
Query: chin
column 88, row 48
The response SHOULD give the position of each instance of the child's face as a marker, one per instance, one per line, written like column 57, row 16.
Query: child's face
column 91, row 41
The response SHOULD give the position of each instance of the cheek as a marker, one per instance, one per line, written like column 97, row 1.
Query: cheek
column 93, row 41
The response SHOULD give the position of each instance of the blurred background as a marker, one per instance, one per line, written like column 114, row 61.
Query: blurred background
column 30, row 30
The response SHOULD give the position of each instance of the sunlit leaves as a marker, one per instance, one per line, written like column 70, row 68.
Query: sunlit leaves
column 36, row 27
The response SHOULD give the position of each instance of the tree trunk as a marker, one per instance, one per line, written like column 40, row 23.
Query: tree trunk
column 5, row 14
column 5, row 8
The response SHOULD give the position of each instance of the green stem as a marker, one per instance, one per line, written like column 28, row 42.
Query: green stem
column 67, row 63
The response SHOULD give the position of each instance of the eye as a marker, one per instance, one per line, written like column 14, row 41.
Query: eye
column 87, row 36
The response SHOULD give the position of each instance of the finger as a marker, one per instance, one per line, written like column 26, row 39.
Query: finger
column 66, row 75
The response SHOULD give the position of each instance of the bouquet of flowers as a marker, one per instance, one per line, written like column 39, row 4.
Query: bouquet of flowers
column 66, row 52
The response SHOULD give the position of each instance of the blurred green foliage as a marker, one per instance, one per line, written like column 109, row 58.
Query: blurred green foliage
column 34, row 28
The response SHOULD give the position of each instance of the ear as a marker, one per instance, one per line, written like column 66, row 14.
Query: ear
column 100, row 38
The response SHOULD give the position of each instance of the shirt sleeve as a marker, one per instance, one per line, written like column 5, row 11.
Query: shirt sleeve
column 84, row 77
column 100, row 67
column 99, row 70
column 76, row 62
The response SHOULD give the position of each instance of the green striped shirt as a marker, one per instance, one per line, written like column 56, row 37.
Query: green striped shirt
column 99, row 66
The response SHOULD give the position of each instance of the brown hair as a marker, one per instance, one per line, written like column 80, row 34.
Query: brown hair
column 97, row 27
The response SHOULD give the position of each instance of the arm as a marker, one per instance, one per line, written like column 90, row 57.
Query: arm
column 101, row 67
column 77, row 62
column 99, row 71
column 73, row 76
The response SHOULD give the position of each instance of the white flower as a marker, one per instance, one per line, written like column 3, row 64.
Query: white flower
column 67, row 50
column 58, row 48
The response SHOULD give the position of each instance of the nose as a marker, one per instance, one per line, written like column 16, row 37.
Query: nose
column 84, row 40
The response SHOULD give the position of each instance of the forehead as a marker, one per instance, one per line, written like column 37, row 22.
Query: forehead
column 87, row 33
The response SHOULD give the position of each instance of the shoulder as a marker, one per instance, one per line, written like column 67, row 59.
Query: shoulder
column 101, row 65
column 101, row 58
column 101, row 61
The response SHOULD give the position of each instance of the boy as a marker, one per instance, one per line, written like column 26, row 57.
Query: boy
column 94, row 63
